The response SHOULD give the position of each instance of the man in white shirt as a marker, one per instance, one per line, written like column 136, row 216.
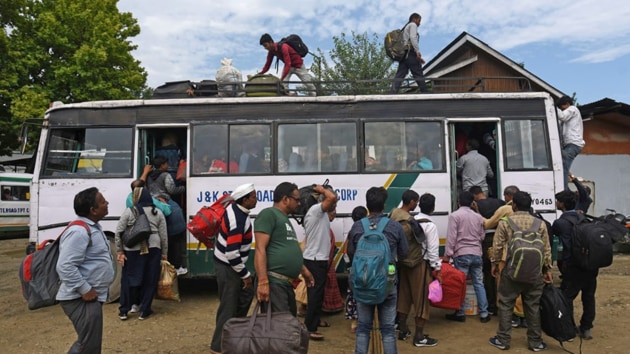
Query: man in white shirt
column 316, row 254
column 413, row 60
column 572, row 134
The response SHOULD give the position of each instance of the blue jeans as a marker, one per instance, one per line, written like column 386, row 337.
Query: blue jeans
column 386, row 317
column 473, row 264
column 569, row 153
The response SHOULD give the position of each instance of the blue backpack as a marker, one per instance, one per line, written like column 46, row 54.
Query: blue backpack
column 369, row 273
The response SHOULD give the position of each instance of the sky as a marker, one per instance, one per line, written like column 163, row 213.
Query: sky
column 576, row 46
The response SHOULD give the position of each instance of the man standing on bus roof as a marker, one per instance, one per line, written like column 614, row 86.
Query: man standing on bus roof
column 278, row 260
column 86, row 270
column 572, row 132
column 293, row 62
column 413, row 59
column 231, row 252
column 316, row 255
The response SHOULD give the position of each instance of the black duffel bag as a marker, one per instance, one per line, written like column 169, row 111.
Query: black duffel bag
column 271, row 332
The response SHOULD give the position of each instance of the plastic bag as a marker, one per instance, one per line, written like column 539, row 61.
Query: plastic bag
column 167, row 285
column 435, row 291
column 229, row 79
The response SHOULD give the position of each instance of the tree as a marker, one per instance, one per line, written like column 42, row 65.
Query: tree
column 357, row 67
column 66, row 50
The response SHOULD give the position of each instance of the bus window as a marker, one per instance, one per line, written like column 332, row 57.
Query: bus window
column 526, row 145
column 251, row 147
column 93, row 151
column 15, row 193
column 398, row 146
column 248, row 150
column 319, row 147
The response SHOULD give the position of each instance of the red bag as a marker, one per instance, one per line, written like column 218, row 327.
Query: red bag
column 453, row 288
column 204, row 226
column 181, row 171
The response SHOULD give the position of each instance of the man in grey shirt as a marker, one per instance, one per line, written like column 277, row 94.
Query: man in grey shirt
column 316, row 254
column 413, row 59
column 474, row 167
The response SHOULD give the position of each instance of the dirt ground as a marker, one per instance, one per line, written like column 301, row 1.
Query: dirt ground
column 187, row 326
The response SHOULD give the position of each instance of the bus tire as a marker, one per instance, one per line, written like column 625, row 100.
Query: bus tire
column 114, row 287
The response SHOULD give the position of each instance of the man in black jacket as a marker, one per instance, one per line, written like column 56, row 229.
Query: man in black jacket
column 574, row 279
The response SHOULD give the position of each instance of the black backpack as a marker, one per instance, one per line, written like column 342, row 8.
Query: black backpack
column 592, row 244
column 294, row 41
column 308, row 198
column 556, row 315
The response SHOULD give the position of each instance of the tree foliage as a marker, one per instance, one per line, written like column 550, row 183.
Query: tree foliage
column 64, row 50
column 357, row 66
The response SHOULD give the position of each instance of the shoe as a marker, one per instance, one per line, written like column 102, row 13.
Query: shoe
column 403, row 335
column 425, row 342
column 586, row 334
column 315, row 336
column 323, row 324
column 134, row 309
column 484, row 319
column 539, row 348
column 143, row 316
column 122, row 315
column 495, row 342
column 182, row 271
column 455, row 317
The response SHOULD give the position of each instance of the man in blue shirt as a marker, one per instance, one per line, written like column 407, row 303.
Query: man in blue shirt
column 86, row 270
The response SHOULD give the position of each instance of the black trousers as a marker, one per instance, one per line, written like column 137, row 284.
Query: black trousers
column 234, row 301
column 574, row 281
column 410, row 63
column 489, row 282
column 315, row 294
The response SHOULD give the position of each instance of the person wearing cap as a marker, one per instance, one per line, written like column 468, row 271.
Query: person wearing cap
column 231, row 252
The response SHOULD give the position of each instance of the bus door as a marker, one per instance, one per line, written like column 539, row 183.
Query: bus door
column 481, row 132
column 527, row 162
column 170, row 142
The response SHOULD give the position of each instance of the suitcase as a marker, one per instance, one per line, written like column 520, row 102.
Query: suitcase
column 207, row 88
column 271, row 332
column 264, row 85
column 453, row 288
column 174, row 89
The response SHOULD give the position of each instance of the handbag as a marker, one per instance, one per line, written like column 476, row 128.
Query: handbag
column 168, row 288
column 139, row 231
column 271, row 332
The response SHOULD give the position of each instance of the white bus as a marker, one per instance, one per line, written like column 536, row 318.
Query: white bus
column 15, row 203
column 354, row 141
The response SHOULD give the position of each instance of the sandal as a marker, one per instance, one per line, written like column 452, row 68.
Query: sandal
column 323, row 324
column 315, row 336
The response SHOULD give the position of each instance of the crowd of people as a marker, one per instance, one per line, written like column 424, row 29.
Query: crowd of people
column 478, row 240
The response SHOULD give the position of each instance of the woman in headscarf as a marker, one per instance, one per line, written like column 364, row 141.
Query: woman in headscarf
column 141, row 263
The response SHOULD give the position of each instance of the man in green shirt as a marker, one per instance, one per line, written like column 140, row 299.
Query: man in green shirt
column 278, row 258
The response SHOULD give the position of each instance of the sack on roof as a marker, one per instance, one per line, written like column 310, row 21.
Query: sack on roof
column 229, row 79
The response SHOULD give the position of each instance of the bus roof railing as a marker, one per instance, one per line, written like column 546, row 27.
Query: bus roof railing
column 357, row 87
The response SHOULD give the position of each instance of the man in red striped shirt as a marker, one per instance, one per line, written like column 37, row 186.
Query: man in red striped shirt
column 293, row 62
column 231, row 251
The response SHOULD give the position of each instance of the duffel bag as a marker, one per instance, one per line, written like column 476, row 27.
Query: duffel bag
column 271, row 332
column 264, row 85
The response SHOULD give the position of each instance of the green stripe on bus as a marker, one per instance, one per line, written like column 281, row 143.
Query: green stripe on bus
column 395, row 190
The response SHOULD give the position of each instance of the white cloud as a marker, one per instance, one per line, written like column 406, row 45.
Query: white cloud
column 187, row 39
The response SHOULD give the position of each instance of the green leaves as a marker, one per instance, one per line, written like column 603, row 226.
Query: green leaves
column 358, row 65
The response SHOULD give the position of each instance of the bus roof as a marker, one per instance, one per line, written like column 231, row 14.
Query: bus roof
column 293, row 99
